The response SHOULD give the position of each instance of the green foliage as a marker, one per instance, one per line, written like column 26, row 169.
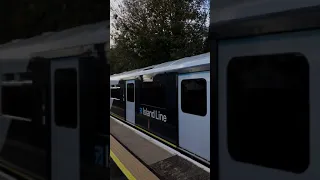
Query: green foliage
column 155, row 31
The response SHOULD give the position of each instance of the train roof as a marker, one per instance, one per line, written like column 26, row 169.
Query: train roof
column 186, row 62
column 77, row 36
column 227, row 10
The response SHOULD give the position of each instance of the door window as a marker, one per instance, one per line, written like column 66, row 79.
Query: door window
column 194, row 96
column 268, row 111
column 65, row 98
column 130, row 92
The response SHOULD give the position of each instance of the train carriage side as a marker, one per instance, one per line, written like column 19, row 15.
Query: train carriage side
column 171, row 104
column 266, row 96
column 194, row 111
column 28, row 133
column 157, row 106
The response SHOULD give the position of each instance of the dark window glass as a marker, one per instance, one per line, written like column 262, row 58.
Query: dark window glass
column 8, row 77
column 17, row 101
column 268, row 111
column 130, row 92
column 65, row 97
column 25, row 76
column 153, row 94
column 194, row 96
column 115, row 93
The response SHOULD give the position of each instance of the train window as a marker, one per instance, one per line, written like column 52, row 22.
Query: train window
column 268, row 111
column 115, row 92
column 153, row 94
column 65, row 97
column 194, row 96
column 25, row 76
column 130, row 92
column 17, row 101
column 8, row 77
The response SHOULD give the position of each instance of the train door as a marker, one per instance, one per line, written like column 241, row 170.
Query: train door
column 268, row 107
column 194, row 113
column 130, row 101
column 65, row 132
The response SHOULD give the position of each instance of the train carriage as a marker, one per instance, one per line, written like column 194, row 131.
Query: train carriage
column 265, row 90
column 169, row 101
column 48, row 91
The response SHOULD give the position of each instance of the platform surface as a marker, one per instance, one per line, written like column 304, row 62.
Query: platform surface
column 144, row 149
column 165, row 165
column 4, row 176
column 130, row 165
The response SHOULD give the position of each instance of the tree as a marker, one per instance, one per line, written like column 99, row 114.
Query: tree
column 151, row 32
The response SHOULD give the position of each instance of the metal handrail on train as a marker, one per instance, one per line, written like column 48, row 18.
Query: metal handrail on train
column 16, row 83
column 16, row 117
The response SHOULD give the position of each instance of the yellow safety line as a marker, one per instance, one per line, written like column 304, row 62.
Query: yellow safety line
column 124, row 170
column 151, row 134
column 15, row 171
column 117, row 116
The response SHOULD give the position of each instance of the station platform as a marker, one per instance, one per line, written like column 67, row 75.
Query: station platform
column 142, row 159
column 4, row 176
column 8, row 171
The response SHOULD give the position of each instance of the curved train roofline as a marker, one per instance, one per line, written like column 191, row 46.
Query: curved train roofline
column 187, row 62
column 24, row 49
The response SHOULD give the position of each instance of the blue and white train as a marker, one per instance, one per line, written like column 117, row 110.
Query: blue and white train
column 169, row 101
